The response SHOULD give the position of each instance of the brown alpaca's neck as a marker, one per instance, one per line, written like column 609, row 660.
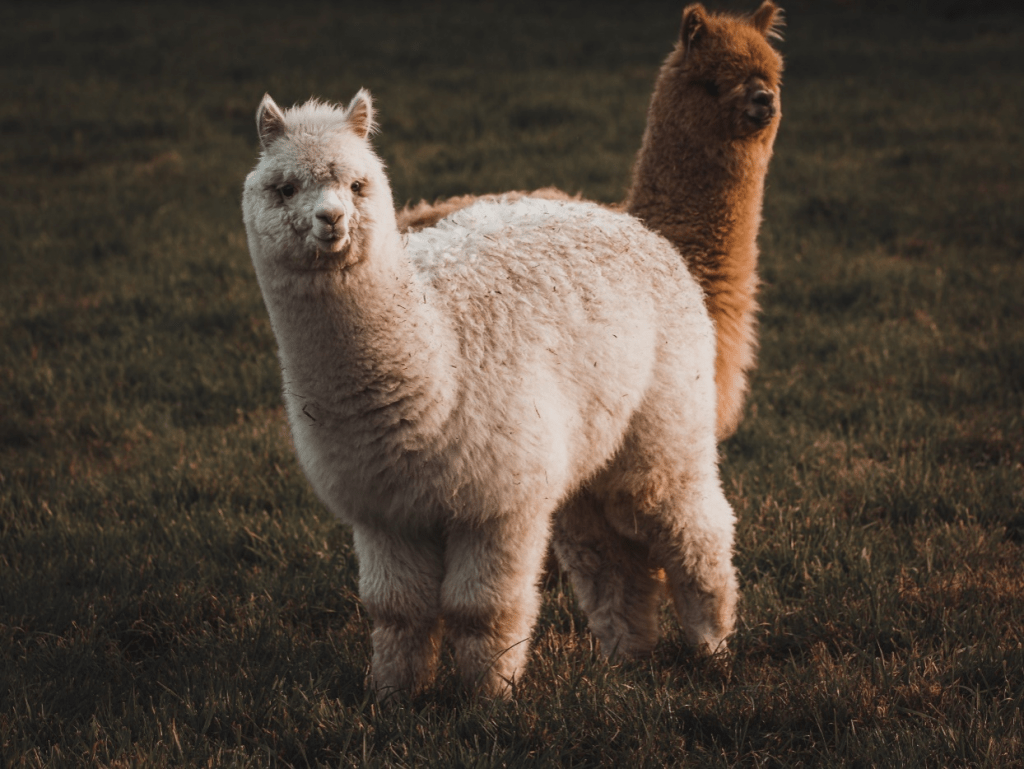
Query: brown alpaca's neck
column 706, row 200
column 705, row 195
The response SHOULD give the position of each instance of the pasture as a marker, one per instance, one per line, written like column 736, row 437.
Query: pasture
column 171, row 592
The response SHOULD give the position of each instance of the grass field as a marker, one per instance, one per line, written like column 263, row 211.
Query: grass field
column 171, row 593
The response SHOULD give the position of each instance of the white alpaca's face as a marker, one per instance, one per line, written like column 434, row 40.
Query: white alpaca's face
column 317, row 201
column 316, row 183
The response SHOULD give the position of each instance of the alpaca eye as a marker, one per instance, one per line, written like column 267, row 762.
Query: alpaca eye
column 712, row 88
column 286, row 190
column 357, row 186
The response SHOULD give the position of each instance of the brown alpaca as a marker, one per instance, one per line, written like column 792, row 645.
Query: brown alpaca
column 699, row 175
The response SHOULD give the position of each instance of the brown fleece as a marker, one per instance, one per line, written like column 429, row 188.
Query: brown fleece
column 699, row 175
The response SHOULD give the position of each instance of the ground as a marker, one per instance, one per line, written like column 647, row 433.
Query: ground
column 170, row 590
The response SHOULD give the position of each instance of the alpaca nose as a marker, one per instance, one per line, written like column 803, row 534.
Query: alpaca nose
column 329, row 216
column 330, row 209
column 761, row 108
column 333, row 220
column 764, row 99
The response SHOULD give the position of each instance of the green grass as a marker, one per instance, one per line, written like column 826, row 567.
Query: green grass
column 171, row 593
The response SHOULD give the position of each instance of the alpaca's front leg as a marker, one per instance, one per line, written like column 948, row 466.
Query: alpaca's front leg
column 400, row 584
column 490, row 598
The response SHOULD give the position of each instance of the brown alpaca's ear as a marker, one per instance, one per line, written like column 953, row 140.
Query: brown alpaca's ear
column 269, row 121
column 360, row 114
column 768, row 19
column 695, row 23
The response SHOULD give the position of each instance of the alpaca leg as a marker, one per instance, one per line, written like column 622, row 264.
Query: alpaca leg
column 688, row 533
column 663, row 488
column 400, row 585
column 616, row 583
column 696, row 554
column 490, row 599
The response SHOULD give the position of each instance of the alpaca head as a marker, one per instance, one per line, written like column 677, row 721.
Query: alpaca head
column 319, row 191
column 726, row 75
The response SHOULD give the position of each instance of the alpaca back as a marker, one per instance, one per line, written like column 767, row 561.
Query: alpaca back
column 563, row 313
column 699, row 175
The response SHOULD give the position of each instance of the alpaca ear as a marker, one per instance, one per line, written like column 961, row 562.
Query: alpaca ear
column 695, row 23
column 768, row 19
column 269, row 121
column 360, row 114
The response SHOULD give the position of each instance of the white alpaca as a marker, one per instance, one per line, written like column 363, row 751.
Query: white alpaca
column 453, row 395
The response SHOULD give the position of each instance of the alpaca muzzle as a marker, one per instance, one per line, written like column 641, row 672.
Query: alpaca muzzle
column 330, row 224
column 761, row 107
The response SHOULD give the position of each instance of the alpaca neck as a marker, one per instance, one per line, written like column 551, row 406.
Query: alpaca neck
column 365, row 339
column 704, row 195
column 706, row 199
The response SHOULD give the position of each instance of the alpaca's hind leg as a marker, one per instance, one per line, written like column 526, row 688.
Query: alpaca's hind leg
column 400, row 586
column 490, row 598
column 616, row 583
column 696, row 552
column 663, row 488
